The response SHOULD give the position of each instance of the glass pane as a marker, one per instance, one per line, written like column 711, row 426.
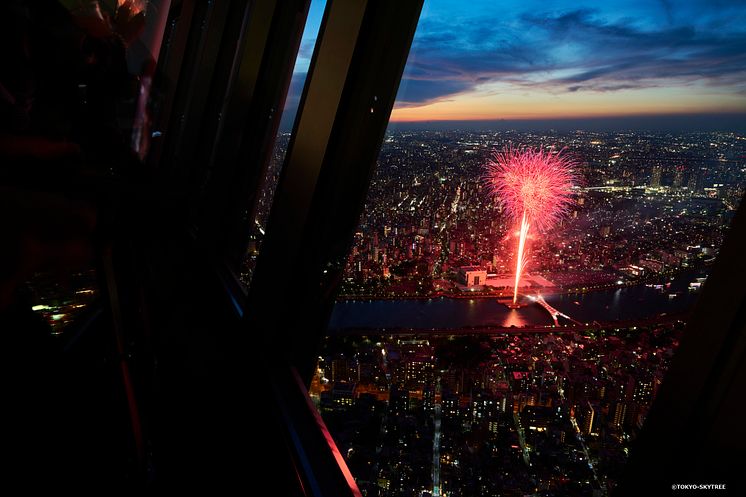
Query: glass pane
column 266, row 195
column 434, row 380
column 61, row 301
column 74, row 93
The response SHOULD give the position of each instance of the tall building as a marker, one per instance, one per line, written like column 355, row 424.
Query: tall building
column 418, row 371
column 655, row 177
column 618, row 414
column 643, row 392
column 678, row 177
column 345, row 370
column 695, row 181
column 586, row 418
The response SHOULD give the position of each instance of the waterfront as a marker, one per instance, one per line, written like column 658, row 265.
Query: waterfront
column 641, row 301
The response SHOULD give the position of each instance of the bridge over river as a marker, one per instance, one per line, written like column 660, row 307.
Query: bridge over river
column 552, row 311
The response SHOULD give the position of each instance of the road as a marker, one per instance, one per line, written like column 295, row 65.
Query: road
column 436, row 443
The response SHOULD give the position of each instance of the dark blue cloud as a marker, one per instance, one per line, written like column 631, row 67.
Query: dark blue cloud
column 668, row 9
column 577, row 50
column 419, row 90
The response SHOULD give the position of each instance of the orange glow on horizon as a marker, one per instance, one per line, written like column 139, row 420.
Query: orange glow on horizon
column 518, row 104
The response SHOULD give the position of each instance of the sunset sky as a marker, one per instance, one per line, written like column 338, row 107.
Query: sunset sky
column 550, row 59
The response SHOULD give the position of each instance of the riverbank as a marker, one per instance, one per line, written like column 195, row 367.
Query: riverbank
column 502, row 330
column 602, row 305
column 547, row 291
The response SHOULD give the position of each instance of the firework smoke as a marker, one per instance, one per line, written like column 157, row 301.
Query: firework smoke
column 533, row 186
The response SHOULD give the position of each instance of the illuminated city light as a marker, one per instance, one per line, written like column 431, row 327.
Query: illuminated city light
column 534, row 187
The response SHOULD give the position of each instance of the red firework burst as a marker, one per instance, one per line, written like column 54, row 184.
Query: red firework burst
column 532, row 182
column 533, row 185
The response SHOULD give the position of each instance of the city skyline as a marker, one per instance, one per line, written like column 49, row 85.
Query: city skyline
column 551, row 64
column 428, row 215
column 424, row 221
column 432, row 384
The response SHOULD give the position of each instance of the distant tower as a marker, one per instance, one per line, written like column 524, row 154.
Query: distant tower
column 695, row 181
column 678, row 178
column 618, row 414
column 655, row 178
column 587, row 418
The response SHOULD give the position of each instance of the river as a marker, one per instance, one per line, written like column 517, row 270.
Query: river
column 625, row 303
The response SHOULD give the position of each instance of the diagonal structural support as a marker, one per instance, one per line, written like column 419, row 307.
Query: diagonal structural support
column 347, row 100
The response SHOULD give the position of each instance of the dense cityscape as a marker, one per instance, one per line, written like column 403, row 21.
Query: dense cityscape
column 647, row 202
column 517, row 412
column 502, row 414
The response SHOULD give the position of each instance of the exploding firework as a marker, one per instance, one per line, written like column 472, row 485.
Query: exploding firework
column 533, row 186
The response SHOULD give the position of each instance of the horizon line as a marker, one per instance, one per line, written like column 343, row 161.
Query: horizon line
column 728, row 113
column 730, row 121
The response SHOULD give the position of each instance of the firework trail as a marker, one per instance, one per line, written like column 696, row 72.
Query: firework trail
column 534, row 188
